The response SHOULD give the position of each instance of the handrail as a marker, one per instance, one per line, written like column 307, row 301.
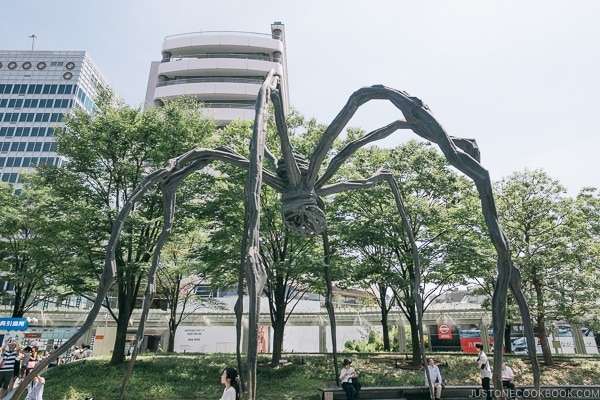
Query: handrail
column 208, row 33
column 257, row 81
column 242, row 56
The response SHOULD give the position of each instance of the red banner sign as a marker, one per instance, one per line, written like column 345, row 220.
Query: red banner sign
column 444, row 331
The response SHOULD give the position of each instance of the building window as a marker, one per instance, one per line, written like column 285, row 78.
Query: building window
column 35, row 89
column 10, row 178
column 18, row 146
column 13, row 162
column 5, row 88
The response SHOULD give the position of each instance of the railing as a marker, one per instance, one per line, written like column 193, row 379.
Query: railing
column 257, row 81
column 242, row 106
column 210, row 33
column 242, row 56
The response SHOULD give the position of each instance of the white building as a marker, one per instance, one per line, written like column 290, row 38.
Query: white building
column 36, row 89
column 224, row 70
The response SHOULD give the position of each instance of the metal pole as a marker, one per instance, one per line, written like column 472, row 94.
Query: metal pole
column 32, row 37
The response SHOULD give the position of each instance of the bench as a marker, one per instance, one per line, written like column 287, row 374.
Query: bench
column 374, row 392
column 548, row 392
column 402, row 393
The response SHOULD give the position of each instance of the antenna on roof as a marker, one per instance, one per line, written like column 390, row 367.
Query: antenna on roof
column 32, row 37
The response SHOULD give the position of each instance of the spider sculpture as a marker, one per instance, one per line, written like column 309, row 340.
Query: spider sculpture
column 301, row 189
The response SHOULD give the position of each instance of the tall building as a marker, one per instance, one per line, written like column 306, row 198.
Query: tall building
column 36, row 89
column 224, row 70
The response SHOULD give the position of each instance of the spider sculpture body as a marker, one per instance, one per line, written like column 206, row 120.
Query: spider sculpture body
column 302, row 185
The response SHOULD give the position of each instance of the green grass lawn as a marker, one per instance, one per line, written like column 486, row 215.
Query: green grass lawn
column 197, row 376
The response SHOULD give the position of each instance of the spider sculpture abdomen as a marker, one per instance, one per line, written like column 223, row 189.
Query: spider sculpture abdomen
column 302, row 212
column 301, row 209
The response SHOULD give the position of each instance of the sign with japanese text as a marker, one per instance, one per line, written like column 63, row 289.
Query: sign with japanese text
column 13, row 324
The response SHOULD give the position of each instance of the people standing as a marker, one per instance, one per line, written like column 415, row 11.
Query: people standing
column 54, row 362
column 86, row 351
column 231, row 380
column 16, row 368
column 7, row 366
column 436, row 378
column 25, row 360
column 346, row 375
column 33, row 360
column 485, row 371
column 35, row 389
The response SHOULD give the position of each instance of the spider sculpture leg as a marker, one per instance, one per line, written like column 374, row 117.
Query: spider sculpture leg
column 169, row 195
column 106, row 282
column 169, row 177
column 256, row 275
column 463, row 155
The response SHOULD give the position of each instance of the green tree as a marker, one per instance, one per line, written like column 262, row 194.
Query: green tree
column 372, row 237
column 109, row 152
column 177, row 279
column 578, row 285
column 554, row 243
column 28, row 261
column 289, row 260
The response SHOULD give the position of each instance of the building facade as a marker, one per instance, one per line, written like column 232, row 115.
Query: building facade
column 223, row 70
column 36, row 89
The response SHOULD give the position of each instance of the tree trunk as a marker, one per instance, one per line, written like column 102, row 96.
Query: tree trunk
column 543, row 338
column 171, row 343
column 125, row 310
column 414, row 334
column 278, row 310
column 118, row 355
column 384, row 320
column 278, row 333
column 507, row 338
column 541, row 321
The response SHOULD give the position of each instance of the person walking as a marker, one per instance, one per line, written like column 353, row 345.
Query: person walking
column 433, row 372
column 346, row 375
column 485, row 371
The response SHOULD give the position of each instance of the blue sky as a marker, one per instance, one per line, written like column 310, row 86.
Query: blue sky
column 521, row 77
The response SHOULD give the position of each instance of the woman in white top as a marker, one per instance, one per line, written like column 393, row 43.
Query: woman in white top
column 35, row 390
column 346, row 375
column 231, row 380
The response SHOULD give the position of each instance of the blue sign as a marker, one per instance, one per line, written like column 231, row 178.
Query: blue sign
column 13, row 324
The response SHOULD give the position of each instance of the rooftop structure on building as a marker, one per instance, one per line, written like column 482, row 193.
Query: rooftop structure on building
column 223, row 70
column 36, row 89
